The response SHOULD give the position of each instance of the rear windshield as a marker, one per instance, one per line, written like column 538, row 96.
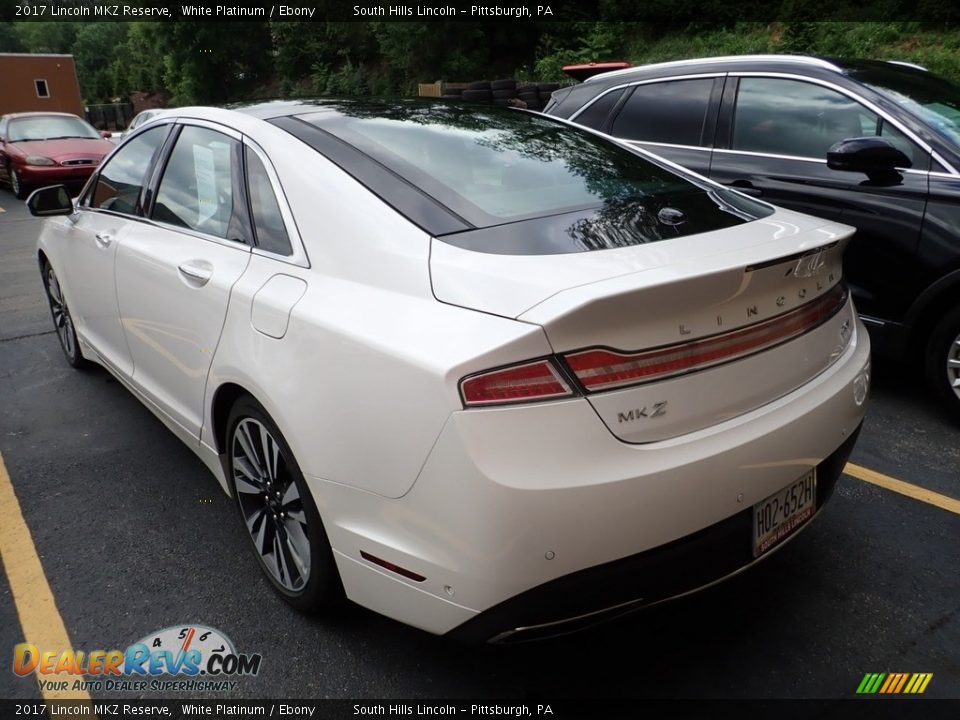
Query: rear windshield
column 492, row 167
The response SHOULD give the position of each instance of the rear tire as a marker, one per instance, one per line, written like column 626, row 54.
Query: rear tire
column 277, row 511
column 942, row 362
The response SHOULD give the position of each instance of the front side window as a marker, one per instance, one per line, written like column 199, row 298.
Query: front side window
column 120, row 183
column 271, row 233
column 795, row 118
column 671, row 112
column 196, row 190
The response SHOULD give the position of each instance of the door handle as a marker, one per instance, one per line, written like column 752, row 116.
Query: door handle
column 746, row 187
column 104, row 239
column 195, row 273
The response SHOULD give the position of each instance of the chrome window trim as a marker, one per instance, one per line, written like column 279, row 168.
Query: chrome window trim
column 822, row 161
column 216, row 127
column 803, row 59
column 774, row 156
column 299, row 256
column 856, row 98
column 701, row 148
column 236, row 244
column 207, row 124
column 299, row 251
column 651, row 81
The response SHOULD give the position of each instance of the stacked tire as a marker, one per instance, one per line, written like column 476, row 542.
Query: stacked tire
column 503, row 91
column 530, row 96
column 478, row 92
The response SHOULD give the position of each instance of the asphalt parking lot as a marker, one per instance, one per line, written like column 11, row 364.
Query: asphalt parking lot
column 134, row 535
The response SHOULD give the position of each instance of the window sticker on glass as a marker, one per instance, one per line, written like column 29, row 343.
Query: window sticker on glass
column 206, row 182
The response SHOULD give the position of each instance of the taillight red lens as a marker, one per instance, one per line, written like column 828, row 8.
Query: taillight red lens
column 537, row 380
column 599, row 369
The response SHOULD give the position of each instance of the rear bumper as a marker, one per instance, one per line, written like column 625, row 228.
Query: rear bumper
column 608, row 591
column 517, row 512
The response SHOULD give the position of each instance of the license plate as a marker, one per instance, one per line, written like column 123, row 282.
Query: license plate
column 783, row 512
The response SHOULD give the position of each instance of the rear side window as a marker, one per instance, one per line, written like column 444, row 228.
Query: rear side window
column 595, row 116
column 196, row 190
column 120, row 183
column 271, row 233
column 671, row 112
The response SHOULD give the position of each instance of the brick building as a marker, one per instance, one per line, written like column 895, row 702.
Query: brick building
column 39, row 82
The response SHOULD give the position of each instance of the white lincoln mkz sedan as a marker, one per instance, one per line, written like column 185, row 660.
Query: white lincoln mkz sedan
column 481, row 371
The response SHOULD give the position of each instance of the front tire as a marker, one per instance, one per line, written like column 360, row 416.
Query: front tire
column 16, row 185
column 278, row 512
column 943, row 362
column 62, row 321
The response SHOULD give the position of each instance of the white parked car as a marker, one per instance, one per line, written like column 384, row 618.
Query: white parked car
column 141, row 118
column 481, row 371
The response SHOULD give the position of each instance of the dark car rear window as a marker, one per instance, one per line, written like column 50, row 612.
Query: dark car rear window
column 493, row 167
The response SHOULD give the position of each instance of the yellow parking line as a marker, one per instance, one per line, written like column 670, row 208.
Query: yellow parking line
column 39, row 618
column 904, row 488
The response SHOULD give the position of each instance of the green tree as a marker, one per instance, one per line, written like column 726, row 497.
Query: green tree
column 139, row 62
column 10, row 41
column 214, row 62
column 96, row 49
column 47, row 37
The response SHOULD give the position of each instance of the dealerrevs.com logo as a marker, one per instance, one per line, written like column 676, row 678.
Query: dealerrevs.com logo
column 184, row 658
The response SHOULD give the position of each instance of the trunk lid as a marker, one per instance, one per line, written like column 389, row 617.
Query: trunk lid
column 754, row 302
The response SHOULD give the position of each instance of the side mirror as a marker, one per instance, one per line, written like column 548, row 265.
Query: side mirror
column 872, row 156
column 53, row 200
column 106, row 134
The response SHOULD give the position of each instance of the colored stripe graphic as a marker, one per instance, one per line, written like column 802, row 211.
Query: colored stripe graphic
column 894, row 683
column 891, row 679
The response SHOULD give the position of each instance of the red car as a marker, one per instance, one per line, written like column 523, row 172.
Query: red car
column 38, row 148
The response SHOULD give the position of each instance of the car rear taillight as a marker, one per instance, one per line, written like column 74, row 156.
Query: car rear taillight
column 599, row 369
column 538, row 380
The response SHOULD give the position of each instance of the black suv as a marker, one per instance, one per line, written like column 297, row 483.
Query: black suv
column 868, row 143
